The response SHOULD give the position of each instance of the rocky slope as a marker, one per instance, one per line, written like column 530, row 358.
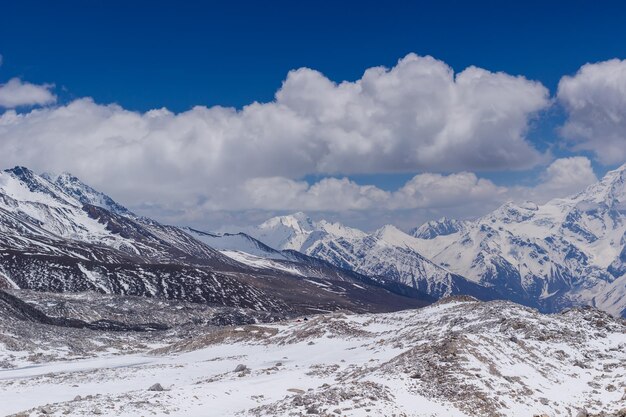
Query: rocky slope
column 459, row 357
column 58, row 234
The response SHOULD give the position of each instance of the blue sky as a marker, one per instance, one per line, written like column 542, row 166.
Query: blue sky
column 150, row 55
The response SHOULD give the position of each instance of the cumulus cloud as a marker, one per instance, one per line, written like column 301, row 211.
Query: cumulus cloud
column 562, row 177
column 418, row 116
column 279, row 193
column 595, row 100
column 422, row 191
column 566, row 176
column 440, row 191
column 16, row 93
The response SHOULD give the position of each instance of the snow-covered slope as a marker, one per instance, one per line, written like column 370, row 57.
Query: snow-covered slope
column 387, row 253
column 237, row 242
column 566, row 252
column 458, row 358
column 58, row 234
column 441, row 227
column 252, row 252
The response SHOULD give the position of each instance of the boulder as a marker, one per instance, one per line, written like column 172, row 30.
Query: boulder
column 156, row 387
column 241, row 368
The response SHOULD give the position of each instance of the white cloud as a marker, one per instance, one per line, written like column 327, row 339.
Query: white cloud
column 567, row 176
column 17, row 93
column 427, row 191
column 328, row 194
column 416, row 116
column 595, row 99
column 439, row 191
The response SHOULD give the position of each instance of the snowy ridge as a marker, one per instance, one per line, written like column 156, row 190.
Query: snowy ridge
column 441, row 227
column 387, row 253
column 569, row 251
column 249, row 251
column 284, row 232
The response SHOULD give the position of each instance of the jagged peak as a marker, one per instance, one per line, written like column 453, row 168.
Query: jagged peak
column 512, row 212
column 525, row 205
column 48, row 176
column 441, row 220
column 20, row 172
column 610, row 190
column 514, row 208
column 388, row 228
column 34, row 184
column 85, row 194
column 65, row 175
column 441, row 227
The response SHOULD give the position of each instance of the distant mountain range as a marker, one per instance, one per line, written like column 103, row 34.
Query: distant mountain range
column 58, row 234
column 570, row 251
column 381, row 254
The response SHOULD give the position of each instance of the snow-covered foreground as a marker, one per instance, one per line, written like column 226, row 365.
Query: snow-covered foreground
column 458, row 357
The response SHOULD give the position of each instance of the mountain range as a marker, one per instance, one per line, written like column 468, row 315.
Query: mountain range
column 58, row 234
column 104, row 312
column 567, row 252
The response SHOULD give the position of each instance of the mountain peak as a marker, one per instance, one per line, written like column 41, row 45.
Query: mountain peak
column 512, row 212
column 67, row 176
column 22, row 173
column 33, row 183
column 442, row 227
column 610, row 190
column 388, row 228
column 284, row 232
column 73, row 186
column 339, row 230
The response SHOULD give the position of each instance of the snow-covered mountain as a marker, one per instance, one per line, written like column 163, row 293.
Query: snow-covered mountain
column 387, row 253
column 441, row 227
column 250, row 251
column 566, row 252
column 58, row 234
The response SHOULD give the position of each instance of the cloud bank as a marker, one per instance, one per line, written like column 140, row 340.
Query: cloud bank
column 424, row 191
column 418, row 116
